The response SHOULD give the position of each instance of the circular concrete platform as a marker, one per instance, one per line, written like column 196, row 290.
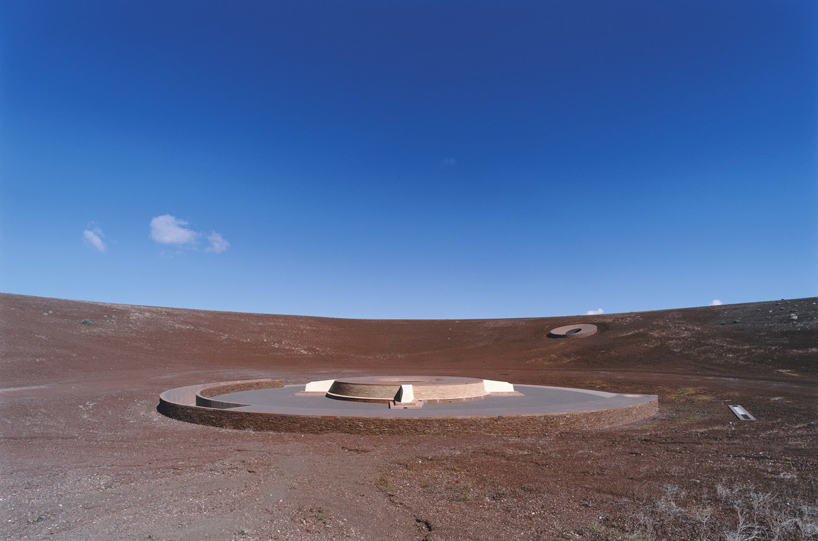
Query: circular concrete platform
column 269, row 405
column 582, row 330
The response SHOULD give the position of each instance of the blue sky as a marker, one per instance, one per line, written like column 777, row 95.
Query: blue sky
column 410, row 159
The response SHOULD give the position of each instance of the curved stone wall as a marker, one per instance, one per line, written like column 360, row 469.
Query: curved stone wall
column 181, row 404
column 426, row 388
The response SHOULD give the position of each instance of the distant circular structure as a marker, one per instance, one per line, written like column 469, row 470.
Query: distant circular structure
column 402, row 405
column 582, row 330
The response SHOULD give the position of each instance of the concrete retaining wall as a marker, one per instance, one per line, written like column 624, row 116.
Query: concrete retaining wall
column 180, row 404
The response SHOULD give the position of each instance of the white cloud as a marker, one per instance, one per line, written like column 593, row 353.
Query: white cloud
column 595, row 312
column 449, row 162
column 715, row 302
column 217, row 243
column 93, row 237
column 167, row 229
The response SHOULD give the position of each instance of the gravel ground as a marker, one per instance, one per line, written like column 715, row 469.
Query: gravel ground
column 85, row 455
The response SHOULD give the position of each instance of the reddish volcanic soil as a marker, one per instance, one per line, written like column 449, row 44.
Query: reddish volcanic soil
column 85, row 455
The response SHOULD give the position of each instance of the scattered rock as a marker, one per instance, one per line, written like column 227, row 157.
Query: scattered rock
column 87, row 322
column 794, row 317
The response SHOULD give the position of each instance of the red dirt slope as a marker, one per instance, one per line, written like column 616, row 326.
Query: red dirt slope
column 85, row 454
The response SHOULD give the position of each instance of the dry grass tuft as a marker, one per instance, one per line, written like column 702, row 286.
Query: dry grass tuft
column 739, row 513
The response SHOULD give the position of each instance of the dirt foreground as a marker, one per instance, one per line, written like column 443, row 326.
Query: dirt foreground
column 85, row 455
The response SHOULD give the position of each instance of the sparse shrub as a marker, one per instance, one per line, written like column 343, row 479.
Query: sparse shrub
column 318, row 514
column 382, row 484
column 739, row 513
